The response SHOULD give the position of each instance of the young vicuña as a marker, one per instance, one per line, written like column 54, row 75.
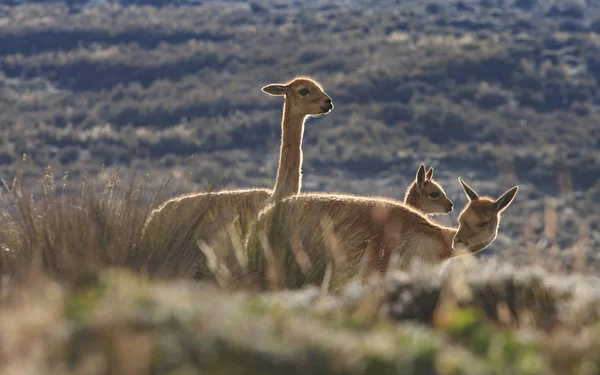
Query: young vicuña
column 426, row 195
column 312, row 237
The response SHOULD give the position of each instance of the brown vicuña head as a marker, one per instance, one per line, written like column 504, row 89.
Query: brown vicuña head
column 305, row 95
column 427, row 195
column 478, row 222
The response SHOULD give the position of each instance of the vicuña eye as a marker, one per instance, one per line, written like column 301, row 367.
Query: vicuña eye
column 303, row 92
column 434, row 195
column 481, row 224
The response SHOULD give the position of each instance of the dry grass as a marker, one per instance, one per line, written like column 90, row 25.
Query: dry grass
column 71, row 234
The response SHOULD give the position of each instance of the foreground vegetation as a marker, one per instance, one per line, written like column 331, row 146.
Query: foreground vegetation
column 80, row 295
column 119, row 323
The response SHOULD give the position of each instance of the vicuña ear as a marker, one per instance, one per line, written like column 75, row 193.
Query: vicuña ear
column 420, row 176
column 471, row 194
column 501, row 203
column 274, row 89
column 429, row 174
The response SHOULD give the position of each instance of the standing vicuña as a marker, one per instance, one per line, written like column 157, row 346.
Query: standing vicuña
column 220, row 218
column 297, row 239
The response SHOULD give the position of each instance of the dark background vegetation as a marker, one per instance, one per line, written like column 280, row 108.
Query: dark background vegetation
column 501, row 92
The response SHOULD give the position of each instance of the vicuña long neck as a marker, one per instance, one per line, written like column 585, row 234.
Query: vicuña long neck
column 289, row 172
column 432, row 244
column 472, row 249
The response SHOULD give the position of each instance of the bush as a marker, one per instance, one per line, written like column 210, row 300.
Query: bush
column 554, row 94
column 532, row 99
column 491, row 97
column 580, row 109
column 464, row 92
column 6, row 156
column 572, row 10
column 392, row 114
column 525, row 4
column 433, row 8
column 455, row 125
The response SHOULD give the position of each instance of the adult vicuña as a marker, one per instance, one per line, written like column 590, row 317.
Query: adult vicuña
column 210, row 216
column 296, row 240
column 426, row 195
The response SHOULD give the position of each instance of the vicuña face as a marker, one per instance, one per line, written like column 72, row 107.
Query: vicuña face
column 433, row 199
column 305, row 96
column 478, row 222
column 427, row 195
column 308, row 97
column 477, row 226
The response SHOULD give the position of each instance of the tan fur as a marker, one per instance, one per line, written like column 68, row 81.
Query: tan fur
column 216, row 208
column 340, row 231
column 479, row 221
column 295, row 110
column 208, row 215
column 427, row 195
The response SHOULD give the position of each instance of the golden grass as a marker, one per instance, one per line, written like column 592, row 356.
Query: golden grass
column 71, row 234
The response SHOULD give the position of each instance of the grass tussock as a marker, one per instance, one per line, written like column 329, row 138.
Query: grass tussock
column 71, row 234
column 65, row 233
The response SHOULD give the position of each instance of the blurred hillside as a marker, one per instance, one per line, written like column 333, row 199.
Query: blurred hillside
column 501, row 92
